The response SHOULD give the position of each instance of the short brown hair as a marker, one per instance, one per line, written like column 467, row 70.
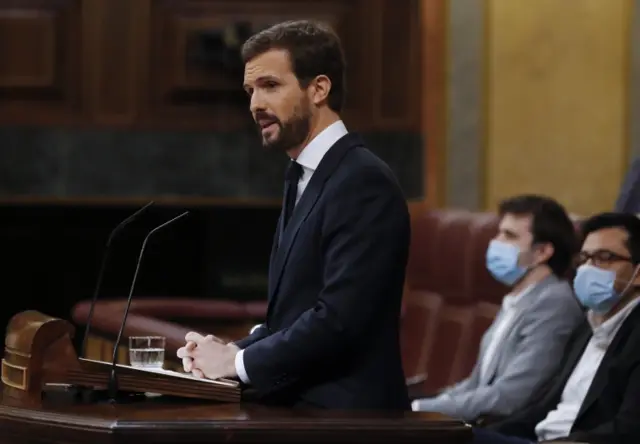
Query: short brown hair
column 550, row 223
column 314, row 49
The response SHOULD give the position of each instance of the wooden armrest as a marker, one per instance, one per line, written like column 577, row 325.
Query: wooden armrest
column 172, row 318
column 176, row 308
column 138, row 325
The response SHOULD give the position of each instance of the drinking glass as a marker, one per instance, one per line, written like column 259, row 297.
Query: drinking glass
column 146, row 351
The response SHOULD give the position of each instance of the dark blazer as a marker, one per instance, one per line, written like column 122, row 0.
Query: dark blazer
column 610, row 412
column 331, row 338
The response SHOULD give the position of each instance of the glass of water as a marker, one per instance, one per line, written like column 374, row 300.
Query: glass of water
column 146, row 351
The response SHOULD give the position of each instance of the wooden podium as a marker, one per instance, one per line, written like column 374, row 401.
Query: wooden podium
column 159, row 421
column 39, row 351
column 42, row 375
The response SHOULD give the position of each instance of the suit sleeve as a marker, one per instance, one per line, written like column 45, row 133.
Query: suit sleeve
column 625, row 427
column 365, row 240
column 537, row 357
column 258, row 334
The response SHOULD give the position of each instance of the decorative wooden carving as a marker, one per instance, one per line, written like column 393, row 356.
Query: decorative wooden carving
column 39, row 351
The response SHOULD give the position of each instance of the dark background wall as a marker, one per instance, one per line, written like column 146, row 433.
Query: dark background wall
column 68, row 163
column 106, row 104
column 52, row 251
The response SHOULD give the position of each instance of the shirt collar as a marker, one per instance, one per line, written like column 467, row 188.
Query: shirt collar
column 606, row 331
column 510, row 301
column 313, row 153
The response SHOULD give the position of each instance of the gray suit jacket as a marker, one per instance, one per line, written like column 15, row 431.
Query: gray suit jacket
column 530, row 353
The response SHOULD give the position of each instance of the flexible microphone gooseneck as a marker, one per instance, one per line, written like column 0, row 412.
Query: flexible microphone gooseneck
column 105, row 256
column 113, row 379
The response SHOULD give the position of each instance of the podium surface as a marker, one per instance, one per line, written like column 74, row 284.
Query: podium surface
column 156, row 420
column 50, row 395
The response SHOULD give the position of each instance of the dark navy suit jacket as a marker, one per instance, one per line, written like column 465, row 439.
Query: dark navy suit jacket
column 610, row 412
column 331, row 338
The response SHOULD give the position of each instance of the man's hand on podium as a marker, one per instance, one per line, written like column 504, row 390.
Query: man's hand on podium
column 208, row 356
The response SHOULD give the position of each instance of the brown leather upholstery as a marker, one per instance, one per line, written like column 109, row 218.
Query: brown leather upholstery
column 451, row 299
column 172, row 318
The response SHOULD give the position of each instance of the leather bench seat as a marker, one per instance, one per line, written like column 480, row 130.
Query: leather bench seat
column 450, row 298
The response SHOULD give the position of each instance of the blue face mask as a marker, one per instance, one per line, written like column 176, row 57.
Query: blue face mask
column 502, row 262
column 594, row 288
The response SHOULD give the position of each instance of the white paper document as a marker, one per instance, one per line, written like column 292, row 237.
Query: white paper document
column 162, row 371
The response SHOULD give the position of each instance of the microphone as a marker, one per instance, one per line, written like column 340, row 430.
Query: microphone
column 113, row 380
column 105, row 256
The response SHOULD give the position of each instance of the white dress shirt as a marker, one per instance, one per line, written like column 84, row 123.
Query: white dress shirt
column 559, row 422
column 309, row 159
column 503, row 325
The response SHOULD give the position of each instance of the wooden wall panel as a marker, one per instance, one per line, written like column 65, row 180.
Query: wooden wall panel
column 40, row 66
column 200, row 93
column 136, row 63
column 397, row 64
column 115, row 38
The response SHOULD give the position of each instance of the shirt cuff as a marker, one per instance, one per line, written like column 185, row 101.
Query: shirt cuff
column 429, row 404
column 240, row 370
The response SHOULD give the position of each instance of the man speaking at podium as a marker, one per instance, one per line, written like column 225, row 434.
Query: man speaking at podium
column 336, row 274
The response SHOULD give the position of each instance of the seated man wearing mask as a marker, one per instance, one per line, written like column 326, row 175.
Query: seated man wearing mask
column 520, row 352
column 595, row 397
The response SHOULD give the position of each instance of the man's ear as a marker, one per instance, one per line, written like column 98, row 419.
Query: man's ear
column 320, row 88
column 546, row 250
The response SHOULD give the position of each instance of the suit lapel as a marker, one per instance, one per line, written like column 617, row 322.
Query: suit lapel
column 609, row 360
column 274, row 247
column 484, row 377
column 524, row 302
column 551, row 393
column 488, row 337
column 327, row 166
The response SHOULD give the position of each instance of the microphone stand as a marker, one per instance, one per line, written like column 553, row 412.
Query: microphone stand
column 113, row 377
column 117, row 230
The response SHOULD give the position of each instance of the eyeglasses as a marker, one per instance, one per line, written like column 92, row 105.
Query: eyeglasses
column 601, row 257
